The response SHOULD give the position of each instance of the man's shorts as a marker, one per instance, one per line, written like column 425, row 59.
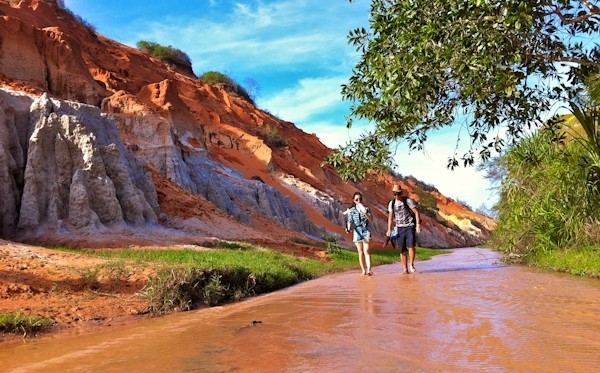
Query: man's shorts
column 361, row 234
column 405, row 237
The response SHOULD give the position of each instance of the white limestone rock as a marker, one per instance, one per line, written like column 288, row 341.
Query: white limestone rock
column 62, row 164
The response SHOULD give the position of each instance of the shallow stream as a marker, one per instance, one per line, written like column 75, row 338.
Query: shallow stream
column 462, row 312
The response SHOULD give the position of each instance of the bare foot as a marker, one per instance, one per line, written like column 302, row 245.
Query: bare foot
column 405, row 272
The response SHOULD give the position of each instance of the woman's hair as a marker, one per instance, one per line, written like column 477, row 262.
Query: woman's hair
column 352, row 204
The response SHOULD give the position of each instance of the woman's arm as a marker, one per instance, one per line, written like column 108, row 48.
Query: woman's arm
column 368, row 213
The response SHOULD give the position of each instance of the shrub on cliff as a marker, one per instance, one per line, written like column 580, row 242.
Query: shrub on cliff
column 215, row 77
column 165, row 53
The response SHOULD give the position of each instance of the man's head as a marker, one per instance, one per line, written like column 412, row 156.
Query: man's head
column 397, row 190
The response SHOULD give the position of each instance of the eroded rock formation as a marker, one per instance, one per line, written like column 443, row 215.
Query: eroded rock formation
column 71, row 170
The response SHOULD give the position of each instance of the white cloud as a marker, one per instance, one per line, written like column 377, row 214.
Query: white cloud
column 260, row 36
column 309, row 98
column 261, row 17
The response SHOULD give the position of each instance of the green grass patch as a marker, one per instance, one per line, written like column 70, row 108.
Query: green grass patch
column 235, row 270
column 19, row 323
column 581, row 262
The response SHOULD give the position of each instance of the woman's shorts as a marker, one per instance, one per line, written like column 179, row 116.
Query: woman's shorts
column 404, row 237
column 361, row 234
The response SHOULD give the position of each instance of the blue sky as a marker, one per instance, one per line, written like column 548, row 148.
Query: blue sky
column 296, row 51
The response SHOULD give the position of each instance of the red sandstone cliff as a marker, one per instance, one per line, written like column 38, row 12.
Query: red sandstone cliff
column 109, row 139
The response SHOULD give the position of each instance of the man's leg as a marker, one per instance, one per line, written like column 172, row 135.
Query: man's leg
column 401, row 243
column 411, row 254
column 410, row 242
column 403, row 257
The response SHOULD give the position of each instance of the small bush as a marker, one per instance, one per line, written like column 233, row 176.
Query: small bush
column 165, row 53
column 185, row 288
column 331, row 243
column 274, row 139
column 215, row 77
column 89, row 278
column 426, row 199
column 20, row 323
column 215, row 290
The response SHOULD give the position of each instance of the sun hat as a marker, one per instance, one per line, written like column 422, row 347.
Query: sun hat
column 396, row 188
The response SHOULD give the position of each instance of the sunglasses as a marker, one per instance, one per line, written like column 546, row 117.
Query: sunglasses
column 397, row 193
column 358, row 200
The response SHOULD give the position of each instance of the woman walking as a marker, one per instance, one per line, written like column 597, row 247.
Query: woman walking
column 359, row 216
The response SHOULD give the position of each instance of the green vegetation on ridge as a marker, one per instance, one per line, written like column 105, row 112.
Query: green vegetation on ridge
column 165, row 53
column 215, row 77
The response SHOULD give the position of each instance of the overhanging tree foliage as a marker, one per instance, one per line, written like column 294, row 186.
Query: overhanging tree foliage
column 487, row 64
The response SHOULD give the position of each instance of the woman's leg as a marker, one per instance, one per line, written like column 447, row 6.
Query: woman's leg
column 366, row 249
column 361, row 256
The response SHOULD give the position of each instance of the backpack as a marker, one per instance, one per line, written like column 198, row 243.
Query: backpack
column 405, row 205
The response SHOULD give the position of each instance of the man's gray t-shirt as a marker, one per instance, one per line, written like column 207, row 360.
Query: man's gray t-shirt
column 402, row 217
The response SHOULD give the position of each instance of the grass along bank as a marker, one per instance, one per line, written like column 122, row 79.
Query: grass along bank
column 189, row 279
column 19, row 323
column 580, row 262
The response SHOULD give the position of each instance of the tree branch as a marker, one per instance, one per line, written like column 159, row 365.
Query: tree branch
column 594, row 10
column 566, row 59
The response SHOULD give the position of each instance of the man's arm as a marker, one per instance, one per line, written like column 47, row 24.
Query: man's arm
column 418, row 219
column 390, row 220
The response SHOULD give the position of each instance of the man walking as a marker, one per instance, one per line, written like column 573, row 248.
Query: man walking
column 403, row 213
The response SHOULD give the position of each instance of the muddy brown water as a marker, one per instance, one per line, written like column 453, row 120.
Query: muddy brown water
column 462, row 312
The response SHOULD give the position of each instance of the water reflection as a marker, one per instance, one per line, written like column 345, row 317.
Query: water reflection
column 461, row 312
column 366, row 288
